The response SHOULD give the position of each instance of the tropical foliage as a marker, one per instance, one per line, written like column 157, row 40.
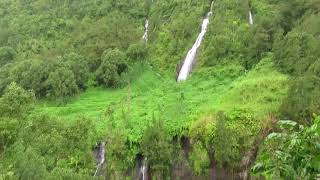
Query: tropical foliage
column 77, row 73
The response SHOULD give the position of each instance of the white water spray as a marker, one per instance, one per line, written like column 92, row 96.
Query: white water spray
column 250, row 18
column 189, row 60
column 146, row 29
column 143, row 170
column 100, row 156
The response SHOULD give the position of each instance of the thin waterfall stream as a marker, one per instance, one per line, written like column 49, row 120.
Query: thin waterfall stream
column 143, row 170
column 143, row 162
column 191, row 56
column 250, row 18
column 100, row 157
column 146, row 29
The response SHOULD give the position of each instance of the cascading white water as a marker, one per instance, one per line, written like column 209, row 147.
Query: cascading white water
column 189, row 60
column 146, row 29
column 100, row 156
column 143, row 170
column 250, row 18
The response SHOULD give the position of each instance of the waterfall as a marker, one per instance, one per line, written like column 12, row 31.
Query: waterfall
column 100, row 157
column 143, row 170
column 189, row 60
column 250, row 18
column 146, row 29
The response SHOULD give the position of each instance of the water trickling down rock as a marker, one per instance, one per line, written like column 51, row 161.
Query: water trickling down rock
column 146, row 29
column 143, row 170
column 100, row 157
column 250, row 18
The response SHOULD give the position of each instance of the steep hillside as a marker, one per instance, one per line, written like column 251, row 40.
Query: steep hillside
column 88, row 89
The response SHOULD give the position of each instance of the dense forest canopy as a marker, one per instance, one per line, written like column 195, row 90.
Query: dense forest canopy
column 78, row 75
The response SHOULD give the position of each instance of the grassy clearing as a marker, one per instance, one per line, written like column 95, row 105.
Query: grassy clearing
column 150, row 96
column 259, row 92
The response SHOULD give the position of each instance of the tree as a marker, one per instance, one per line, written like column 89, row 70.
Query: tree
column 302, row 101
column 32, row 74
column 80, row 68
column 225, row 143
column 7, row 54
column 61, row 83
column 261, row 40
column 57, row 144
column 290, row 11
column 137, row 52
column 8, row 132
column 113, row 65
column 119, row 154
column 296, row 52
column 29, row 165
column 157, row 147
column 220, row 140
column 16, row 101
column 5, row 78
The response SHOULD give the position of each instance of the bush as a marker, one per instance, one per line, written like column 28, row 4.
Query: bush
column 157, row 147
column 113, row 65
column 303, row 99
column 8, row 132
column 225, row 142
column 137, row 52
column 4, row 77
column 32, row 74
column 119, row 153
column 7, row 54
column 16, row 101
column 61, row 83
column 290, row 153
column 55, row 145
column 80, row 68
column 30, row 165
column 295, row 53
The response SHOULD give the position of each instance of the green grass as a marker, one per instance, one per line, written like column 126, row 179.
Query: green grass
column 226, row 87
column 259, row 92
column 89, row 104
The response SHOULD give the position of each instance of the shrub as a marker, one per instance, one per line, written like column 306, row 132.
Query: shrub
column 137, row 52
column 302, row 101
column 157, row 148
column 61, row 83
column 113, row 65
column 80, row 68
column 7, row 54
column 15, row 101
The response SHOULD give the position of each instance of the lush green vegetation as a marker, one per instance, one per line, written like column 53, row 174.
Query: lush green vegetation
column 291, row 152
column 76, row 73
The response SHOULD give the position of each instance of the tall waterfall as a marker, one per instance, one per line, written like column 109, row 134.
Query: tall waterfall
column 146, row 29
column 189, row 60
column 100, row 156
column 250, row 18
